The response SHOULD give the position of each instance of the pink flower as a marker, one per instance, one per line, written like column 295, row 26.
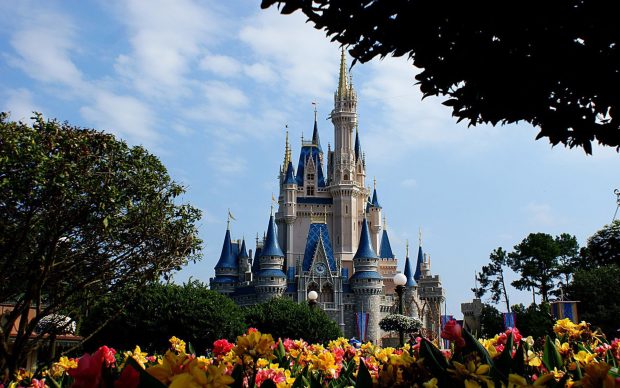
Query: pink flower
column 221, row 347
column 452, row 332
column 129, row 378
column 38, row 383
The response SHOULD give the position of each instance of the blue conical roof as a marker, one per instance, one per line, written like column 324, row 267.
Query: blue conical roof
column 290, row 175
column 256, row 260
column 408, row 272
column 227, row 259
column 358, row 147
column 315, row 137
column 272, row 248
column 364, row 249
column 418, row 268
column 375, row 200
column 385, row 252
column 243, row 253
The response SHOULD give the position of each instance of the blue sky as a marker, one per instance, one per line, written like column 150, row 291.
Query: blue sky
column 209, row 86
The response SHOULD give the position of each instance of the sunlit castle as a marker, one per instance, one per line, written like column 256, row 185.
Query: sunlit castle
column 328, row 236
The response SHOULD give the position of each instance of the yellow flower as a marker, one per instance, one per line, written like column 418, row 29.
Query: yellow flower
column 472, row 374
column 137, row 355
column 255, row 345
column 64, row 364
column 584, row 357
column 177, row 344
column 596, row 375
column 432, row 383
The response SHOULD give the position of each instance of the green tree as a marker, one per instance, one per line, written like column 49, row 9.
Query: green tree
column 552, row 64
column 159, row 311
column 537, row 260
column 284, row 318
column 569, row 259
column 598, row 295
column 491, row 278
column 491, row 321
column 83, row 215
column 603, row 247
column 534, row 320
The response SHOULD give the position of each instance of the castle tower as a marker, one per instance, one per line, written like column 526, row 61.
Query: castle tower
column 226, row 269
column 348, row 193
column 288, row 212
column 367, row 283
column 270, row 280
column 410, row 296
column 245, row 270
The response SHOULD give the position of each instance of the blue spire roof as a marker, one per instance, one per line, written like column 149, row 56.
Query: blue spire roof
column 385, row 252
column 310, row 151
column 227, row 258
column 364, row 249
column 358, row 147
column 315, row 136
column 408, row 272
column 243, row 253
column 256, row 262
column 272, row 248
column 290, row 175
column 316, row 232
column 418, row 268
column 375, row 201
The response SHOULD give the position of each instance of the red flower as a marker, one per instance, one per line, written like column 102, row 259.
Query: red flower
column 452, row 332
column 221, row 347
column 88, row 372
column 129, row 378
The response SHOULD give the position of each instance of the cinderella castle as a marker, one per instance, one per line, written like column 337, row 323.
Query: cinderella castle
column 328, row 236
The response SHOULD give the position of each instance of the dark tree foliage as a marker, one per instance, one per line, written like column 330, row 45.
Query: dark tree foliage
column 554, row 64
column 598, row 295
column 603, row 247
column 190, row 312
column 491, row 278
column 284, row 318
column 569, row 260
column 82, row 216
column 534, row 320
column 539, row 259
column 491, row 321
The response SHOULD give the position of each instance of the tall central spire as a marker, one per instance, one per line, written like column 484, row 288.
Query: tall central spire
column 342, row 81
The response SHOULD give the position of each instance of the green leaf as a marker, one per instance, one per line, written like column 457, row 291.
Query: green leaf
column 190, row 347
column 473, row 345
column 433, row 358
column 364, row 380
column 518, row 362
column 301, row 381
column 237, row 374
column 105, row 222
column 551, row 356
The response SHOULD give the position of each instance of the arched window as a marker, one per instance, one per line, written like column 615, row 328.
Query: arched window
column 327, row 294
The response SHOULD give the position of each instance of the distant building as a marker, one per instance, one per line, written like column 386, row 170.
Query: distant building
column 328, row 236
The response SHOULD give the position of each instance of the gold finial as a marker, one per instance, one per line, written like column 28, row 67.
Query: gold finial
column 316, row 104
column 407, row 248
column 420, row 236
column 342, row 81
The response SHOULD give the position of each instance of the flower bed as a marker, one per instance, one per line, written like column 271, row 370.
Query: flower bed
column 577, row 356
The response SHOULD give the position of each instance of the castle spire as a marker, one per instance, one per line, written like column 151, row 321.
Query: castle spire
column 315, row 133
column 342, row 81
column 358, row 147
column 287, row 152
column 407, row 270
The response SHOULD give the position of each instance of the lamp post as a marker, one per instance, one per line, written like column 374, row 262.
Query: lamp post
column 400, row 280
column 312, row 297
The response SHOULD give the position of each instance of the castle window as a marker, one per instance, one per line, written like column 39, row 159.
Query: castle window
column 310, row 190
column 310, row 176
column 346, row 209
column 346, row 177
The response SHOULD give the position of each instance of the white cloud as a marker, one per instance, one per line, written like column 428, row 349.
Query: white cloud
column 260, row 72
column 541, row 215
column 224, row 95
column 125, row 116
column 303, row 56
column 222, row 65
column 20, row 104
column 409, row 183
column 167, row 37
column 43, row 41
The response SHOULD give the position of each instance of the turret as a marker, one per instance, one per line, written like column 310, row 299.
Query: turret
column 271, row 280
column 344, row 118
column 226, row 269
column 367, row 283
column 245, row 270
column 375, row 217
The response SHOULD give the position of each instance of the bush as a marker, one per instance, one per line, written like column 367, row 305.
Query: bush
column 397, row 322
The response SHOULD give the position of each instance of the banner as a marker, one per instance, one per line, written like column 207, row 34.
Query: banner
column 362, row 325
column 565, row 309
column 510, row 320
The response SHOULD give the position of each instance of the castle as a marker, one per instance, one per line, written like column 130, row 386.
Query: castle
column 328, row 236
